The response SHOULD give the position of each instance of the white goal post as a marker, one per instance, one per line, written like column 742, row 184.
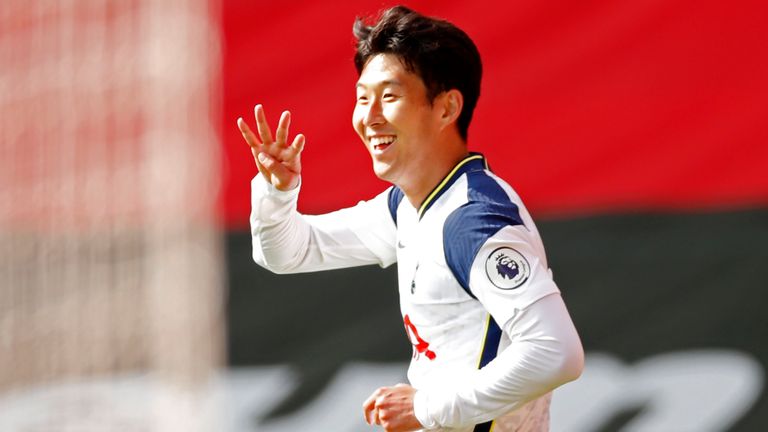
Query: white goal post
column 110, row 255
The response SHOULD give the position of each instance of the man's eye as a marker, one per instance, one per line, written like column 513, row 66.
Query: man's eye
column 362, row 99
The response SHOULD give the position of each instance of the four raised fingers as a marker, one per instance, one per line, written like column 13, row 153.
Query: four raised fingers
column 278, row 161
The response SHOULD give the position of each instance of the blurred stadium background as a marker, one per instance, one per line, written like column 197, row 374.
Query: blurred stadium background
column 635, row 132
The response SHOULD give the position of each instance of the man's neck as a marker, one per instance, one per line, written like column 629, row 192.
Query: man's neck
column 433, row 172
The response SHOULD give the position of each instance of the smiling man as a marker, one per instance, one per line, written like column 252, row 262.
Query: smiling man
column 490, row 332
column 405, row 128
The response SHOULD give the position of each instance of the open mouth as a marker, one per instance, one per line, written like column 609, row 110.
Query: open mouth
column 381, row 143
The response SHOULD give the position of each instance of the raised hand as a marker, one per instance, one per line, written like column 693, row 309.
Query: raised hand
column 277, row 161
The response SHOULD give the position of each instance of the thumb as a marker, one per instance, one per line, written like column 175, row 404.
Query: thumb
column 281, row 177
column 262, row 169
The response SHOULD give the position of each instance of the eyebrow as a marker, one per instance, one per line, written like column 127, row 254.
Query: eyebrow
column 380, row 83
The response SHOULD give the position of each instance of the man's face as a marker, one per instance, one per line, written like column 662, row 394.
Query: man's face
column 395, row 120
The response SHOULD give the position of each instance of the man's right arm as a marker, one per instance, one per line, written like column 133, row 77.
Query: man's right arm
column 285, row 241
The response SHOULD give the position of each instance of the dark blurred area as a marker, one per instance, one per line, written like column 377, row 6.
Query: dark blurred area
column 638, row 286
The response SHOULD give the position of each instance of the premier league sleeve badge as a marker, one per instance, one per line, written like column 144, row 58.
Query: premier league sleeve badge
column 507, row 268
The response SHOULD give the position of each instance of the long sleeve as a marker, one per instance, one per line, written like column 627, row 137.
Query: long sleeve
column 285, row 241
column 545, row 352
column 509, row 276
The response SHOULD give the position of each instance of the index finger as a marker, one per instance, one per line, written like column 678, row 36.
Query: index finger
column 369, row 405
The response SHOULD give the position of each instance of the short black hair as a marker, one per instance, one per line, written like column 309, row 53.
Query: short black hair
column 440, row 53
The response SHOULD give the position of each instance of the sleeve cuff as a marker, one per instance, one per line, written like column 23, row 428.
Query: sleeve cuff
column 421, row 410
column 260, row 184
column 268, row 204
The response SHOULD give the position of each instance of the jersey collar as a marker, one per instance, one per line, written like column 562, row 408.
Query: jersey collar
column 473, row 162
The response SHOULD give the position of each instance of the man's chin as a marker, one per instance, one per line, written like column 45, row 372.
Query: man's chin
column 382, row 170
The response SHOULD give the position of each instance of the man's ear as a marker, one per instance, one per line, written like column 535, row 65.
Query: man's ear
column 452, row 101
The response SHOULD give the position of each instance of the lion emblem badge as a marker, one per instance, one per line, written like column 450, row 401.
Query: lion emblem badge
column 507, row 268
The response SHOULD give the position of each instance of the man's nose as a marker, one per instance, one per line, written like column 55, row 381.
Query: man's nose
column 375, row 114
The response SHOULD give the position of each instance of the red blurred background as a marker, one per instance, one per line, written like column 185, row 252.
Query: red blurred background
column 587, row 107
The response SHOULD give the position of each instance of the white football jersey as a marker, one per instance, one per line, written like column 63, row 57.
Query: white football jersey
column 470, row 263
column 468, row 259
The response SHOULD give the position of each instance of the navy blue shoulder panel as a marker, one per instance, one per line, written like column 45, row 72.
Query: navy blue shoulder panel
column 488, row 210
column 395, row 196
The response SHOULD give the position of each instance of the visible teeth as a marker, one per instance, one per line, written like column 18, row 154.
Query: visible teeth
column 377, row 141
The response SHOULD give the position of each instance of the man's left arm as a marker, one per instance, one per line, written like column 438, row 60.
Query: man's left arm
column 510, row 277
column 545, row 353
